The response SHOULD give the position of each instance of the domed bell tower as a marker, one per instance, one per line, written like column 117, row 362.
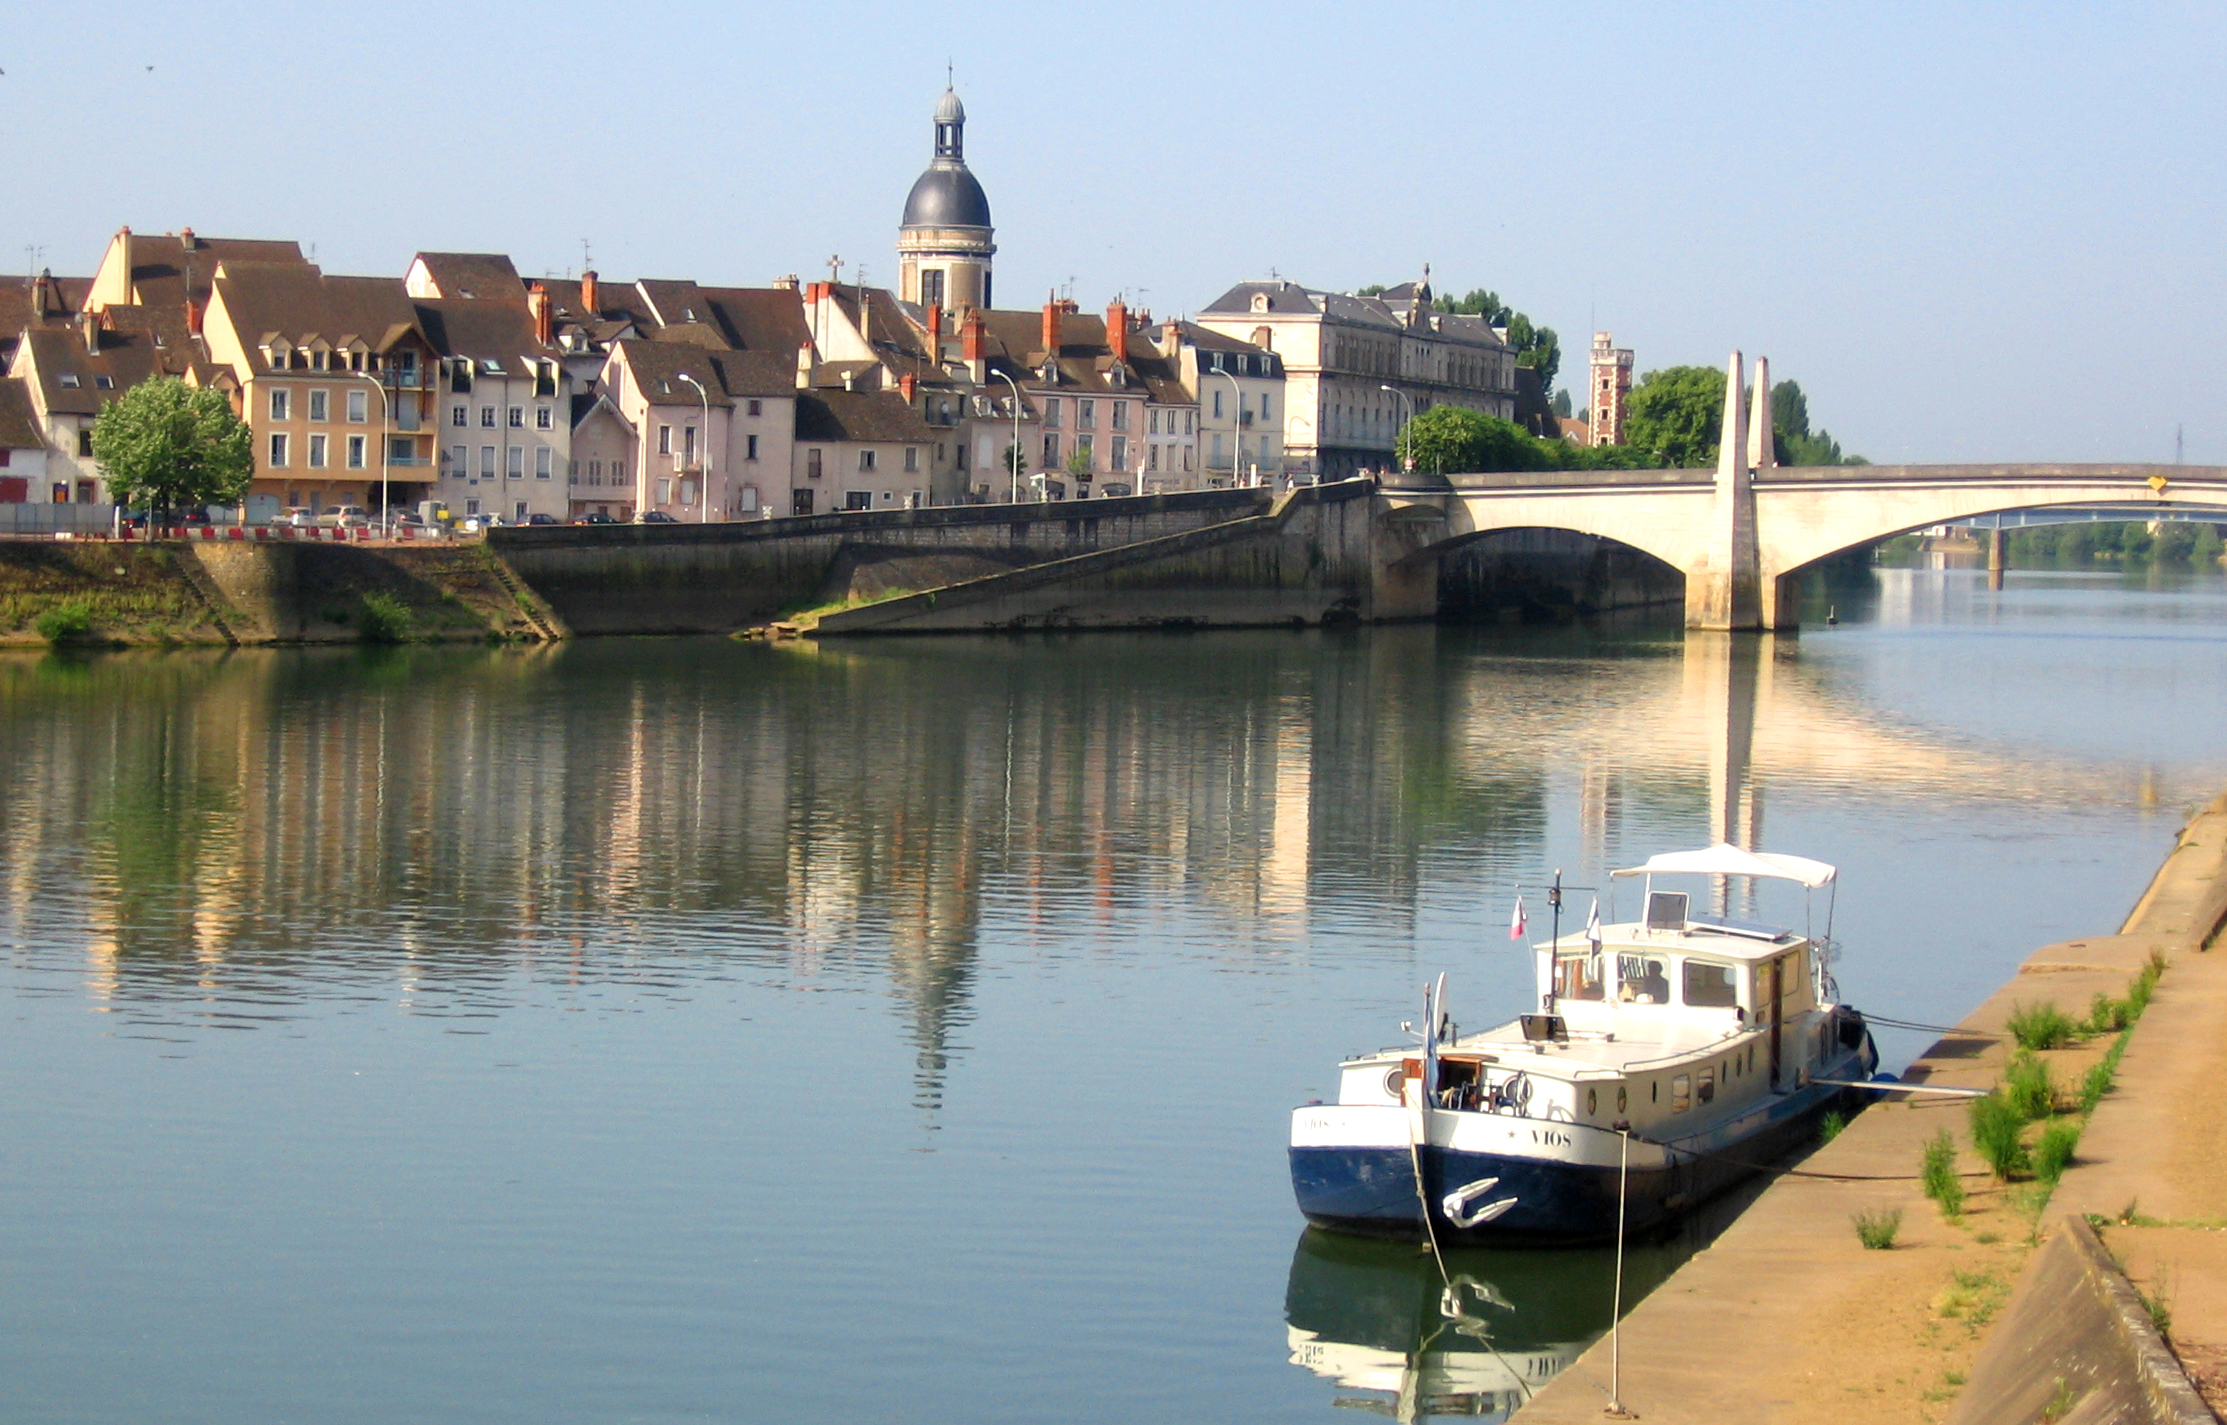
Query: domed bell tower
column 945, row 244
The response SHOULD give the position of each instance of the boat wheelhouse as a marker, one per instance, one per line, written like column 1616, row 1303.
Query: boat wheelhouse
column 1669, row 1057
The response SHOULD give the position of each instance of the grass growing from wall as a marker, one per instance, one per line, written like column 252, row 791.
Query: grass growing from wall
column 1938, row 1172
column 1876, row 1227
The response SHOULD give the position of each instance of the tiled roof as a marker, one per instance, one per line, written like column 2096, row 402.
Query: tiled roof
column 762, row 318
column 481, row 330
column 674, row 302
column 859, row 416
column 19, row 425
column 125, row 358
column 299, row 302
column 15, row 304
column 167, row 271
column 726, row 375
column 474, row 276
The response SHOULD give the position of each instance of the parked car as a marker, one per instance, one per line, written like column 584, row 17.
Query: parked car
column 344, row 517
column 654, row 517
column 542, row 519
column 595, row 517
column 299, row 516
column 479, row 524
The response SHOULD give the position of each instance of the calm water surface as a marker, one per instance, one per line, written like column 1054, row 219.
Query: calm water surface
column 905, row 1031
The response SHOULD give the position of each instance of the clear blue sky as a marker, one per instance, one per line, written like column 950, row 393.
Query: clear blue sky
column 1977, row 232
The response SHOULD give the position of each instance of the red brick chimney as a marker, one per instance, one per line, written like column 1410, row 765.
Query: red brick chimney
column 935, row 330
column 1051, row 325
column 906, row 385
column 43, row 300
column 588, row 309
column 193, row 316
column 973, row 336
column 1171, row 337
column 1117, row 329
column 537, row 303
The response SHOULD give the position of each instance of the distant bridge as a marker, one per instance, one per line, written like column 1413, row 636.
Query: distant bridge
column 1744, row 533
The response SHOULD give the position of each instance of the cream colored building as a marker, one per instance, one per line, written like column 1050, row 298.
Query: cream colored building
column 1339, row 353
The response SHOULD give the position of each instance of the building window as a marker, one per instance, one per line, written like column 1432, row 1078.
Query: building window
column 866, row 458
column 912, row 458
column 1086, row 414
column 278, row 451
column 1217, row 405
column 517, row 417
column 1120, row 453
column 280, row 403
column 1188, row 416
column 69, row 381
column 812, row 464
column 459, row 456
column 85, row 442
column 359, row 407
column 1152, row 457
column 757, row 408
column 595, row 471
column 1051, row 450
column 355, row 452
column 1152, row 420
column 487, row 417
column 317, row 452
column 1084, row 445
column 402, row 449
column 543, row 456
column 750, row 444
column 1051, row 413
column 858, row 499
column 931, row 287
column 688, row 443
column 542, row 418
column 664, row 489
column 1121, row 415
column 664, row 443
column 459, row 416
column 487, row 462
column 514, row 462
column 319, row 409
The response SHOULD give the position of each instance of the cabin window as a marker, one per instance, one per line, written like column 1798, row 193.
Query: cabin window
column 1706, row 1087
column 1621, row 1098
column 1709, row 986
column 1592, row 1102
column 1681, row 1093
column 1641, row 980
column 1578, row 977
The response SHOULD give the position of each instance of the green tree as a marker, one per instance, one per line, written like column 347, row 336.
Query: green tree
column 1078, row 463
column 1796, row 443
column 1560, row 405
column 163, row 445
column 1676, row 413
column 1452, row 440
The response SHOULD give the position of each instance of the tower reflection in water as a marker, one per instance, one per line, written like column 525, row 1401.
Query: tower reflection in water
column 1396, row 1338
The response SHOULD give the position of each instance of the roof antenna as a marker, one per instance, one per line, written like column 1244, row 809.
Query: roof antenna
column 947, row 73
column 2176, row 443
column 587, row 258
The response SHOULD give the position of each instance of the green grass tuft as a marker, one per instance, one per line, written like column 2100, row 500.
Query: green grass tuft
column 1876, row 1227
column 2026, row 1084
column 2053, row 1154
column 2042, row 1026
column 64, row 623
column 1996, row 1128
column 1938, row 1172
column 2107, row 1015
column 383, row 618
column 1829, row 1127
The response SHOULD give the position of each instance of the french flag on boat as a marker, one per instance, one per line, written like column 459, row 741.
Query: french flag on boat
column 1515, row 925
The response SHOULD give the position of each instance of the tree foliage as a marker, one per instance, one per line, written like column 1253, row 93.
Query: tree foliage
column 1675, row 414
column 1453, row 440
column 1797, row 443
column 164, row 445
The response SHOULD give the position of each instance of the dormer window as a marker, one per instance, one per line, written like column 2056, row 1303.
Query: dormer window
column 69, row 380
column 1260, row 301
column 105, row 383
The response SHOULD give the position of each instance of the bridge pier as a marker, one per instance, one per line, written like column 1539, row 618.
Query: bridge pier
column 1998, row 556
column 1724, row 593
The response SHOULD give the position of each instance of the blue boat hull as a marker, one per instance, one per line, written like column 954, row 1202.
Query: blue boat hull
column 1371, row 1191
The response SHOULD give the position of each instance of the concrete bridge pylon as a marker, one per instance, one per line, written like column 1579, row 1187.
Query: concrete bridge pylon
column 1724, row 591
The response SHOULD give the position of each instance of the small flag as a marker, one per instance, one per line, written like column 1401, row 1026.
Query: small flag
column 1515, row 926
column 1593, row 926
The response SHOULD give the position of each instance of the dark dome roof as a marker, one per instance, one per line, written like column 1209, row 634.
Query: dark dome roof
column 947, row 197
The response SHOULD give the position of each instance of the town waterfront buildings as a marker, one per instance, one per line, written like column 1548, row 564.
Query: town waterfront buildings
column 463, row 383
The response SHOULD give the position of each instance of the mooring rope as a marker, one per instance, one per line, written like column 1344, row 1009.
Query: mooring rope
column 1928, row 1028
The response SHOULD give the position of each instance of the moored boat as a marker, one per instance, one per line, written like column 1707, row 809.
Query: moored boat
column 1669, row 1057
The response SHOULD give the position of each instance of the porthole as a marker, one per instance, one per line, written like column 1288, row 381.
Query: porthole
column 1592, row 1102
column 1655, row 1092
column 1395, row 1080
column 1619, row 1098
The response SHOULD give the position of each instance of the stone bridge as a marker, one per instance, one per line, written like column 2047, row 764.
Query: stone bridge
column 1743, row 533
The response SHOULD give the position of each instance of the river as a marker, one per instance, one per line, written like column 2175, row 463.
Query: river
column 905, row 1030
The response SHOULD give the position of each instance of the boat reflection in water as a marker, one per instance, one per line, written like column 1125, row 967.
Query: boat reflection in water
column 1397, row 1339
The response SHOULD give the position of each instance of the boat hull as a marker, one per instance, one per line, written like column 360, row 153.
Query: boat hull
column 1568, row 1198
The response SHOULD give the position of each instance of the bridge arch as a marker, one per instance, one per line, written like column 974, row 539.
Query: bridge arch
column 1538, row 572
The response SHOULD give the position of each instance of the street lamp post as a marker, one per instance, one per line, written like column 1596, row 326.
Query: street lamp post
column 1407, row 461
column 386, row 413
column 1237, row 428
column 1013, row 458
column 703, row 456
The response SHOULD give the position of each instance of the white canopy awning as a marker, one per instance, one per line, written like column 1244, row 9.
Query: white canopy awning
column 1725, row 859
